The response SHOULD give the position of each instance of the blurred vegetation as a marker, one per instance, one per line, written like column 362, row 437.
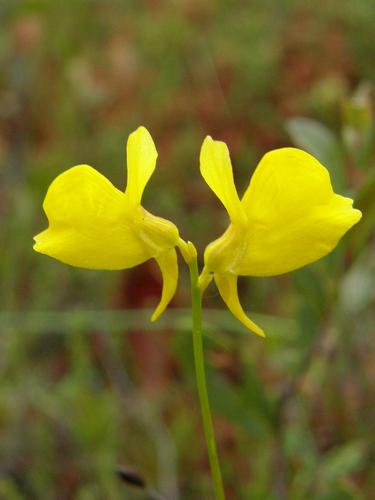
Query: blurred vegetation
column 88, row 385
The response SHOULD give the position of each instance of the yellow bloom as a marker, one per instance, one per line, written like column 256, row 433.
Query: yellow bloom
column 95, row 226
column 288, row 217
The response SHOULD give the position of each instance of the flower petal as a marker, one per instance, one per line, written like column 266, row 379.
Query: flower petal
column 141, row 161
column 294, row 216
column 167, row 262
column 88, row 223
column 216, row 169
column 227, row 285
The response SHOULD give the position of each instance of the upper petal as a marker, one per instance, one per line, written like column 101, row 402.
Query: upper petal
column 294, row 216
column 89, row 225
column 216, row 169
column 141, row 161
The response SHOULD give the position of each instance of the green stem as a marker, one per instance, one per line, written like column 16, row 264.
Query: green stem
column 196, row 296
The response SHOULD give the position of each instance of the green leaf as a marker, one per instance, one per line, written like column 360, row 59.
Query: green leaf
column 358, row 125
column 232, row 403
column 342, row 461
column 364, row 230
column 8, row 489
column 116, row 320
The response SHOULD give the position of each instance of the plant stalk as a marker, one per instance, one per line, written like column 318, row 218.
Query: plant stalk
column 196, row 297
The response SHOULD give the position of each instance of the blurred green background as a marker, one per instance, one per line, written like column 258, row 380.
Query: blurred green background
column 87, row 384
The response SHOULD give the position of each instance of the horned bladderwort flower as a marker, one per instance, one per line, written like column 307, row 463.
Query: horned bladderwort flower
column 94, row 225
column 288, row 217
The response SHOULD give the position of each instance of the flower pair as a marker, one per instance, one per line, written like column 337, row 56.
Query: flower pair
column 288, row 217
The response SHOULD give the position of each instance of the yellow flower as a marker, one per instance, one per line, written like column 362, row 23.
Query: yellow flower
column 95, row 226
column 288, row 217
